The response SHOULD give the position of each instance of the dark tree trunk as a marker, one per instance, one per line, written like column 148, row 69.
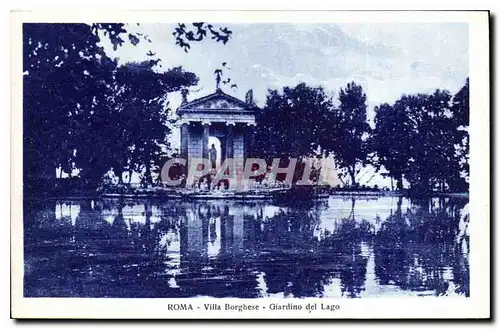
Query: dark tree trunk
column 352, row 173
column 148, row 178
column 119, row 173
column 130, row 176
column 399, row 204
column 48, row 171
column 147, row 162
column 353, row 204
column 399, row 184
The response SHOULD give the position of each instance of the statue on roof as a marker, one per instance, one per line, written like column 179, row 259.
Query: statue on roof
column 218, row 78
column 249, row 97
column 184, row 93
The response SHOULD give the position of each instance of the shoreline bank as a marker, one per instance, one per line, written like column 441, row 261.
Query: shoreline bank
column 282, row 193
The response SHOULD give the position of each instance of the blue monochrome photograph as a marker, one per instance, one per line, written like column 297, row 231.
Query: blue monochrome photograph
column 246, row 160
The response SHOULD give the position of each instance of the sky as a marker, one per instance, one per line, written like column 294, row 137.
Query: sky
column 388, row 60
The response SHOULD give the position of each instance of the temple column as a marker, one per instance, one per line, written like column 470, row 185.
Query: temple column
column 223, row 149
column 229, row 145
column 206, row 133
column 250, row 141
column 229, row 140
column 239, row 154
column 184, row 140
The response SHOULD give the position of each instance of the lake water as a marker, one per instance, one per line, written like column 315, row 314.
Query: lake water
column 336, row 247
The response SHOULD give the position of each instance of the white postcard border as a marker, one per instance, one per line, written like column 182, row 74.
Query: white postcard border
column 477, row 306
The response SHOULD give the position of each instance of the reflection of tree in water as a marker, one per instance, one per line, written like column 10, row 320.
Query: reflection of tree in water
column 345, row 241
column 295, row 261
column 413, row 249
column 60, row 253
column 289, row 255
column 124, row 257
column 117, row 259
column 108, row 253
column 44, row 236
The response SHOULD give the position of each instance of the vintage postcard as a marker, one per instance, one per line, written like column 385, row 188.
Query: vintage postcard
column 257, row 165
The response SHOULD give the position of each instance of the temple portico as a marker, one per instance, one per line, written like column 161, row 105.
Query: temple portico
column 219, row 115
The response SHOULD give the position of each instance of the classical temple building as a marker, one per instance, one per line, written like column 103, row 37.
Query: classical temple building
column 229, row 119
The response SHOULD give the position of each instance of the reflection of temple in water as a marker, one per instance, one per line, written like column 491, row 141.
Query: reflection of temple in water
column 210, row 230
column 212, row 238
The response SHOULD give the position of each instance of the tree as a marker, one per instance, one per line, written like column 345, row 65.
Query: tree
column 185, row 34
column 65, row 77
column 460, row 105
column 460, row 109
column 418, row 139
column 132, row 128
column 433, row 160
column 67, row 98
column 351, row 130
column 391, row 140
column 144, row 110
column 290, row 123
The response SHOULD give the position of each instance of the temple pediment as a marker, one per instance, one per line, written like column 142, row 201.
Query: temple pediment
column 217, row 102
